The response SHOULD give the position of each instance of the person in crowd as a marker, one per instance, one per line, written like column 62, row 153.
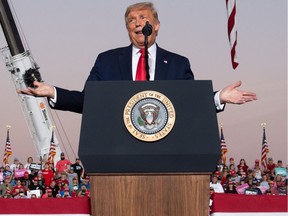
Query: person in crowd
column 235, row 178
column 279, row 164
column 33, row 196
column 224, row 179
column 2, row 169
column 66, row 192
column 62, row 165
column 36, row 186
column 7, row 171
column 107, row 66
column 6, row 186
column 48, row 193
column 85, row 182
column 78, row 168
column 216, row 185
column 51, row 167
column 264, row 181
column 21, row 194
column 257, row 172
column 83, row 191
column 17, row 188
column 242, row 166
column 271, row 167
column 252, row 189
column 232, row 167
column 220, row 165
column 41, row 180
column 27, row 165
column 71, row 175
column 48, row 174
column 26, row 179
column 231, row 161
column 230, row 188
column 15, row 165
column 54, row 188
column 62, row 182
column 273, row 188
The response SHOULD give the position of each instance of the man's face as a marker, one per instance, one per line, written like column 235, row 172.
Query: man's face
column 136, row 21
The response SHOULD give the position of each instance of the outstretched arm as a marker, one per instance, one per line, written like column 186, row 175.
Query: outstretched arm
column 231, row 94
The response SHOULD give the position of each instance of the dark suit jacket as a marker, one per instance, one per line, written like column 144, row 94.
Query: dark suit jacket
column 116, row 64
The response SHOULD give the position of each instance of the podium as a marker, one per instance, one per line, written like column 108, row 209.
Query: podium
column 159, row 171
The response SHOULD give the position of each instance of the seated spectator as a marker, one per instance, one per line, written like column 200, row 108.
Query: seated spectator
column 21, row 194
column 264, row 182
column 216, row 185
column 54, row 188
column 232, row 167
column 48, row 193
column 86, row 182
column 7, row 172
column 65, row 193
column 2, row 174
column 26, row 179
column 74, row 185
column 5, row 187
column 33, row 196
column 252, row 189
column 235, row 178
column 272, row 188
column 85, row 192
column 230, row 188
column 36, row 186
column 242, row 166
column 62, row 181
column 16, row 189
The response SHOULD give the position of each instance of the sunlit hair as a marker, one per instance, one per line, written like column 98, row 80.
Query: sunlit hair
column 142, row 6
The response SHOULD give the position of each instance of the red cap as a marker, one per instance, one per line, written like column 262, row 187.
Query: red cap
column 49, row 190
column 256, row 161
column 233, row 172
column 231, row 158
column 217, row 173
column 35, row 179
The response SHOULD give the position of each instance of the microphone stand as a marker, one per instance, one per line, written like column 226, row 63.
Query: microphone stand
column 146, row 58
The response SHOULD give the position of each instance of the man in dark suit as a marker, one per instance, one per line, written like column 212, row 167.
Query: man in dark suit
column 121, row 64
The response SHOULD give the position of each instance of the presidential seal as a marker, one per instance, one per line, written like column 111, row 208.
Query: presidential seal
column 149, row 116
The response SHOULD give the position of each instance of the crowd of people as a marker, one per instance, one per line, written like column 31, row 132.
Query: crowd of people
column 35, row 180
column 66, row 179
column 255, row 180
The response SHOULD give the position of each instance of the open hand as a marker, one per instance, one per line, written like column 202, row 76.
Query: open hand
column 231, row 94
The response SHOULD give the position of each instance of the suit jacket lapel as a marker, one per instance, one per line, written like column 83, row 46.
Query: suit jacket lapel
column 162, row 61
column 125, row 62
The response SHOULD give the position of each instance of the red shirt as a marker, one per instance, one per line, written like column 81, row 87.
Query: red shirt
column 62, row 165
column 48, row 175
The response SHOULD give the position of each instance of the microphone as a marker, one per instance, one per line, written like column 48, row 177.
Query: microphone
column 147, row 29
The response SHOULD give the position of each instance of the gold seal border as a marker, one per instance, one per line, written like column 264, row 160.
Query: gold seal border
column 171, row 116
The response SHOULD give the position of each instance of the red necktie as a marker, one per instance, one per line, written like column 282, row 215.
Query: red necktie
column 141, row 70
